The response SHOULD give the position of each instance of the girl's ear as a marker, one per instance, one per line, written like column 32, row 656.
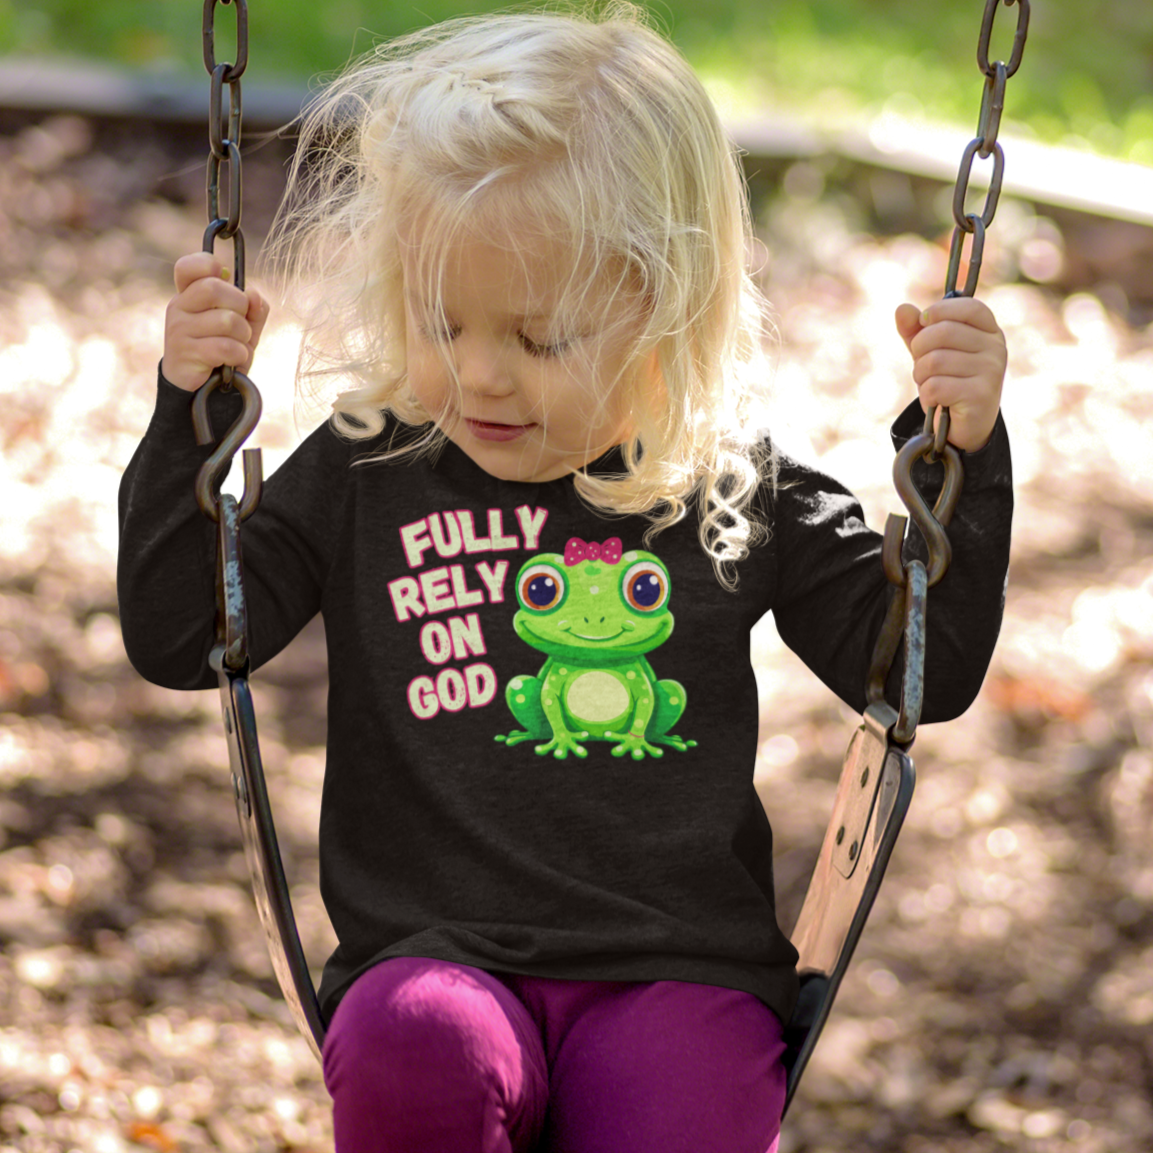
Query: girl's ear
column 652, row 385
column 644, row 396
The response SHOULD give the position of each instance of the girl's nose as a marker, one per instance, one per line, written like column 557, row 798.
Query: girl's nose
column 481, row 367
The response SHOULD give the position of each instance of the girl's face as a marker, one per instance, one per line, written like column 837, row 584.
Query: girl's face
column 538, row 396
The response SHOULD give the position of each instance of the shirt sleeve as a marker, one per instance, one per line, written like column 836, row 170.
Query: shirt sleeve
column 166, row 564
column 831, row 593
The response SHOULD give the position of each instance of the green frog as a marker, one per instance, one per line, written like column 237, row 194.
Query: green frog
column 595, row 612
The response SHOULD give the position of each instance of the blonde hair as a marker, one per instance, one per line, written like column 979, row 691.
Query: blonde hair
column 595, row 128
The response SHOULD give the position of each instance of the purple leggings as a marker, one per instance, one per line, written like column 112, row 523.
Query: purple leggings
column 430, row 1057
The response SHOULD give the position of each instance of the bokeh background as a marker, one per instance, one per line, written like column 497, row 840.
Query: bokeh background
column 1002, row 996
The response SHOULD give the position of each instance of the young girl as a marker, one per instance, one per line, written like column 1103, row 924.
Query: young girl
column 551, row 879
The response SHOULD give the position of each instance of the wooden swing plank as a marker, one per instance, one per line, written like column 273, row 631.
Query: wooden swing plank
column 873, row 796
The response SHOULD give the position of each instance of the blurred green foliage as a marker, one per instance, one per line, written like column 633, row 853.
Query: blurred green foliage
column 1088, row 71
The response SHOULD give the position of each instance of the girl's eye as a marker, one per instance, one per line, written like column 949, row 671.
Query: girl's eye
column 439, row 334
column 540, row 587
column 544, row 350
column 645, row 587
column 446, row 333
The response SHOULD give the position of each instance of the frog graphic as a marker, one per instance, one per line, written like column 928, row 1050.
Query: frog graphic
column 595, row 612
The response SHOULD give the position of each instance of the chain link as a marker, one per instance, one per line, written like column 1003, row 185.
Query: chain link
column 235, row 70
column 906, row 612
column 987, row 35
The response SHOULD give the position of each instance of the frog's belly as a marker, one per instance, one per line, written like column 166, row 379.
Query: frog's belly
column 597, row 698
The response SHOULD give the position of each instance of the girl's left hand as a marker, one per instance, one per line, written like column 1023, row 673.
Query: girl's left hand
column 959, row 359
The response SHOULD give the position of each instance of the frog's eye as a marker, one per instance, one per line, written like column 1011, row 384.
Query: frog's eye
column 540, row 587
column 645, row 586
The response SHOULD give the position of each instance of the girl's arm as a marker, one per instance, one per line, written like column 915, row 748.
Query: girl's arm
column 166, row 568
column 836, row 599
column 831, row 593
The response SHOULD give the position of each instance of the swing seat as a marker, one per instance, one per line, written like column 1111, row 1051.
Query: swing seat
column 872, row 799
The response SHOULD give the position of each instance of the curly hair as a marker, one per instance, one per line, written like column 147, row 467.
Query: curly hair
column 595, row 130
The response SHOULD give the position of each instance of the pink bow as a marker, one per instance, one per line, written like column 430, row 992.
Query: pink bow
column 577, row 550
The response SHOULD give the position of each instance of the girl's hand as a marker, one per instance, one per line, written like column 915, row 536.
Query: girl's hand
column 209, row 322
column 959, row 360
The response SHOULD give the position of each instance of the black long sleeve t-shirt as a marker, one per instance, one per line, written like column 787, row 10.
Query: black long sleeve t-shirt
column 478, row 628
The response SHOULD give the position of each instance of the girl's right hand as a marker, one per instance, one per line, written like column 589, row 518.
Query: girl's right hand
column 209, row 322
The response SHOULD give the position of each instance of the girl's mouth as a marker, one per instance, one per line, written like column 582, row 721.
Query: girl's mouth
column 486, row 430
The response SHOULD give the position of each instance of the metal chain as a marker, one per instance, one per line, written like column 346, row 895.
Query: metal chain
column 223, row 509
column 224, row 140
column 229, row 657
column 983, row 145
column 906, row 616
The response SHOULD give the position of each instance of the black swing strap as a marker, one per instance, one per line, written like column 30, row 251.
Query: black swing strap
column 229, row 656
column 878, row 776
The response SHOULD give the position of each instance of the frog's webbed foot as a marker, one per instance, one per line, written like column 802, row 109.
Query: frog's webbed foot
column 633, row 745
column 678, row 743
column 560, row 746
column 516, row 737
column 562, row 743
